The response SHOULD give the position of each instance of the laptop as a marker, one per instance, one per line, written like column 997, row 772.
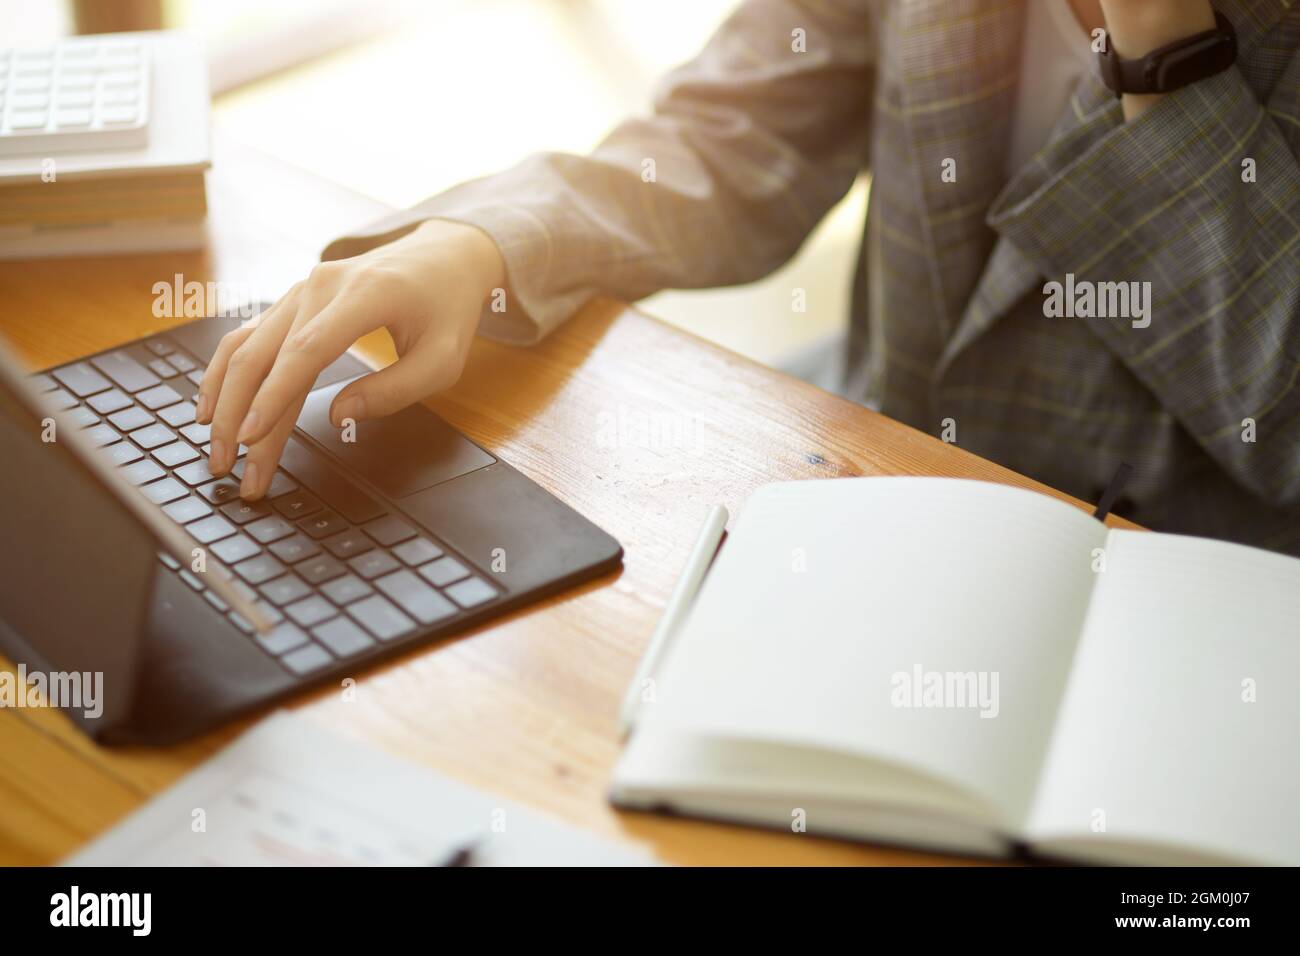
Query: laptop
column 125, row 557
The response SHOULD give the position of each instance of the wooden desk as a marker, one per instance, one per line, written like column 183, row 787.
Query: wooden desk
column 639, row 427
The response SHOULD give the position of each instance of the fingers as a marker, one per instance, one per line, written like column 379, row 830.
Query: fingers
column 263, row 456
column 210, row 388
column 310, row 346
column 433, row 365
column 245, row 368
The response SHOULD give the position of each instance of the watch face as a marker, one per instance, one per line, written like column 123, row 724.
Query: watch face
column 1193, row 62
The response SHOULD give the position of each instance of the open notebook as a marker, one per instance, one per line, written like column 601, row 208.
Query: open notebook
column 980, row 669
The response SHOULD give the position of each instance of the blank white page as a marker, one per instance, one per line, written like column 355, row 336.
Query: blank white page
column 1157, row 730
column 828, row 589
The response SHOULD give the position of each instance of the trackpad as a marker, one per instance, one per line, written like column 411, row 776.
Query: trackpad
column 400, row 454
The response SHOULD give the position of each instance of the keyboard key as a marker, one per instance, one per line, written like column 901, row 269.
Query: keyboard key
column 187, row 509
column 216, row 600
column 389, row 529
column 269, row 611
column 158, row 397
column 124, row 453
column 282, row 639
column 162, row 368
column 373, row 564
column 320, row 569
column 182, row 363
column 295, row 549
column 168, row 560
column 220, row 491
column 380, row 618
column 239, row 453
column 128, row 374
column 196, row 376
column 323, row 524
column 82, row 417
column 233, row 550
column 415, row 597
column 311, row 610
column 43, row 383
column 199, row 434
column 242, row 512
column 298, row 504
column 82, row 380
column 209, row 529
column 342, row 637
column 418, row 551
column 270, row 529
column 192, row 580
column 346, row 589
column 177, row 453
column 195, row 474
column 281, row 484
column 161, row 492
column 471, row 592
column 134, row 417
column 61, row 400
column 178, row 415
column 142, row 471
column 240, row 622
column 160, row 347
column 259, row 569
column 102, row 435
column 345, row 544
column 307, row 659
column 153, row 436
column 108, row 402
column 286, row 589
column 443, row 571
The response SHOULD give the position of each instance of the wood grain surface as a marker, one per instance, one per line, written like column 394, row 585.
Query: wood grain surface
column 639, row 427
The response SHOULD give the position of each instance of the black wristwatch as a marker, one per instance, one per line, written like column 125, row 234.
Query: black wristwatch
column 1174, row 65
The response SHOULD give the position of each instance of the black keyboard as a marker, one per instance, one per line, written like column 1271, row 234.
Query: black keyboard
column 337, row 571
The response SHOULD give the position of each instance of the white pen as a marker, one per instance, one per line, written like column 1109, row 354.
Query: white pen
column 683, row 596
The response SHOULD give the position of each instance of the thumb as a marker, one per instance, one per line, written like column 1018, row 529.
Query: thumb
column 408, row 380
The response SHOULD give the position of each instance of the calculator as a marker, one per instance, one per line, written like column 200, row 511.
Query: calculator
column 79, row 93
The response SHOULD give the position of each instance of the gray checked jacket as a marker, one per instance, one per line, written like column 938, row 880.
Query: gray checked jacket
column 755, row 139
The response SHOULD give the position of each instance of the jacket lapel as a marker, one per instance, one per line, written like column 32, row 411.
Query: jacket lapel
column 1008, row 276
column 959, row 63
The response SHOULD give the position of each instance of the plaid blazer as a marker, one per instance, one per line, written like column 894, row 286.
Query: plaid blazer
column 753, row 141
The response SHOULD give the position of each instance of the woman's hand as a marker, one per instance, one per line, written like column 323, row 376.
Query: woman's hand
column 427, row 288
